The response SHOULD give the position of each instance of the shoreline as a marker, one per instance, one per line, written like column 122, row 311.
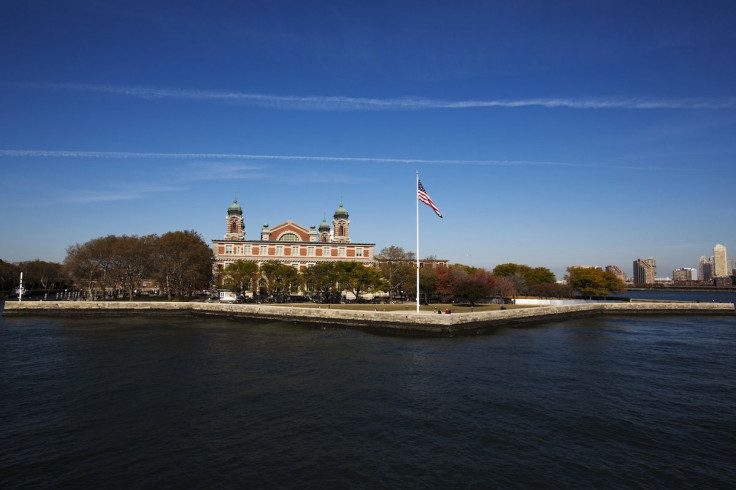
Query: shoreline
column 404, row 323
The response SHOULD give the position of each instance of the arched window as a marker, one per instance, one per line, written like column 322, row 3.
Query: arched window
column 289, row 237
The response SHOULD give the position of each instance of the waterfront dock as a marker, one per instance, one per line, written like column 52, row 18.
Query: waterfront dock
column 407, row 323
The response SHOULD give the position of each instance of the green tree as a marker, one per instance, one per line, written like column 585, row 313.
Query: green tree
column 536, row 275
column 358, row 279
column 323, row 279
column 241, row 274
column 280, row 278
column 427, row 282
column 539, row 275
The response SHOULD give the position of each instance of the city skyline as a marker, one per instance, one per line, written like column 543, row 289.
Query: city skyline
column 549, row 135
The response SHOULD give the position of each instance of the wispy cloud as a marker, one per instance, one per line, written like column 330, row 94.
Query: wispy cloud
column 118, row 192
column 198, row 171
column 223, row 169
column 346, row 103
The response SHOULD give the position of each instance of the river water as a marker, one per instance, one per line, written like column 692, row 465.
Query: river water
column 212, row 403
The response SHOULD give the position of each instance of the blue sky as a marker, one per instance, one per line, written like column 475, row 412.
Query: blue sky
column 548, row 133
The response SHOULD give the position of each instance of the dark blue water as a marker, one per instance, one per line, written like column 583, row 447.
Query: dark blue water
column 701, row 296
column 208, row 403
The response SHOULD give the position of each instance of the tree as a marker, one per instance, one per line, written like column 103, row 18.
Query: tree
column 39, row 274
column 448, row 278
column 184, row 262
column 241, row 274
column 132, row 260
column 322, row 278
column 398, row 267
column 280, row 278
column 427, row 282
column 589, row 281
column 9, row 275
column 475, row 286
column 88, row 263
column 536, row 275
column 504, row 288
column 357, row 278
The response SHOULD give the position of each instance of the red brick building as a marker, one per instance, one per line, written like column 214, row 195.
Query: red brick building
column 290, row 242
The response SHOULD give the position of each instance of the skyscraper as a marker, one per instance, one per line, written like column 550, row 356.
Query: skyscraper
column 705, row 269
column 644, row 272
column 720, row 261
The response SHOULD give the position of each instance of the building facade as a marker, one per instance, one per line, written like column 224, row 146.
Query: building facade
column 720, row 261
column 616, row 271
column 685, row 274
column 290, row 243
column 644, row 272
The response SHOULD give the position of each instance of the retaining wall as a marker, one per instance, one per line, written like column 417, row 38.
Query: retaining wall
column 401, row 323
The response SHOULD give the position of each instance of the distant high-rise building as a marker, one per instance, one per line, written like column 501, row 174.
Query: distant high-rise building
column 720, row 261
column 644, row 272
column 705, row 269
column 616, row 271
column 731, row 266
column 684, row 274
column 653, row 263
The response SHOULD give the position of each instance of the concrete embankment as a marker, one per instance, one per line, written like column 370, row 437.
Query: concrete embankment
column 399, row 323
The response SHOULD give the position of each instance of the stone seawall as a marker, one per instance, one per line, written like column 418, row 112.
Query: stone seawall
column 400, row 323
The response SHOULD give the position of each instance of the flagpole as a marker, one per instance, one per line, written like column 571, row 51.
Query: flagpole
column 416, row 191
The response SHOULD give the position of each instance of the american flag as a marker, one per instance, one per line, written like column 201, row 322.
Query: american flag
column 424, row 197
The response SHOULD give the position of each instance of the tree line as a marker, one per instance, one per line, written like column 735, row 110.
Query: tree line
column 181, row 263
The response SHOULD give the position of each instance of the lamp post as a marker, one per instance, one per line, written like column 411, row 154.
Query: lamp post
column 20, row 289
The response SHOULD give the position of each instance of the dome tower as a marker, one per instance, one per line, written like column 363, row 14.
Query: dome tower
column 235, row 224
column 341, row 225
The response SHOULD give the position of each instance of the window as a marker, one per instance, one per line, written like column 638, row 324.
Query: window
column 289, row 237
column 311, row 251
column 295, row 250
column 263, row 250
column 229, row 248
column 358, row 251
column 341, row 252
column 325, row 251
column 279, row 250
column 246, row 249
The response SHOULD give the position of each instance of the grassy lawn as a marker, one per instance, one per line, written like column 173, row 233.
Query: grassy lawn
column 455, row 308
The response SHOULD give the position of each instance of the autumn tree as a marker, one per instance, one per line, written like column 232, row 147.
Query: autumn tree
column 475, row 286
column 589, row 281
column 88, row 263
column 39, row 274
column 183, row 262
column 132, row 260
column 398, row 267
column 9, row 275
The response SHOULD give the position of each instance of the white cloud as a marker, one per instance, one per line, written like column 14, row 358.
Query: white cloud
column 119, row 192
column 345, row 103
column 223, row 171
